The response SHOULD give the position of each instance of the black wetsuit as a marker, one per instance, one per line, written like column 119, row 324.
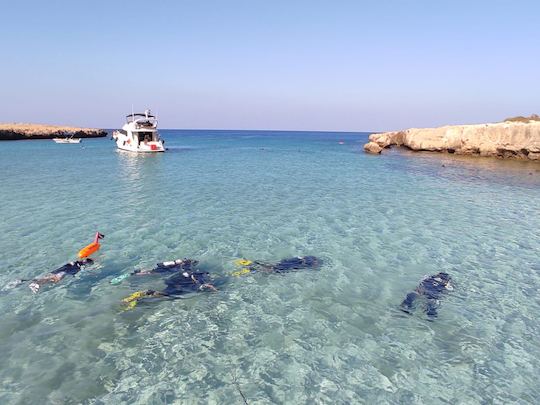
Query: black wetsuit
column 186, row 282
column 70, row 268
column 295, row 263
column 286, row 265
column 431, row 288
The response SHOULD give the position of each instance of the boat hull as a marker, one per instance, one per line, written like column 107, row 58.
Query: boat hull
column 130, row 144
column 66, row 140
column 140, row 150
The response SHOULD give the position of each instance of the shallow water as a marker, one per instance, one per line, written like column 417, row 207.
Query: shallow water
column 335, row 335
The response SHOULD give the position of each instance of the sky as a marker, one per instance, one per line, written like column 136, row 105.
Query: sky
column 283, row 65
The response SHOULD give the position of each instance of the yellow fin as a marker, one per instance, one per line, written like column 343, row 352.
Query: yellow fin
column 131, row 305
column 128, row 306
column 243, row 262
column 134, row 297
column 241, row 272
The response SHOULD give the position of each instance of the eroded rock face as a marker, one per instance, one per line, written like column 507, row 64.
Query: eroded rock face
column 373, row 147
column 516, row 140
column 9, row 132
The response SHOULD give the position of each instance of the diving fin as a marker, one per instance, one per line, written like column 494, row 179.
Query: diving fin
column 241, row 272
column 120, row 278
column 12, row 284
column 243, row 262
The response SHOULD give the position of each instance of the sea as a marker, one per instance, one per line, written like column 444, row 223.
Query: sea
column 332, row 335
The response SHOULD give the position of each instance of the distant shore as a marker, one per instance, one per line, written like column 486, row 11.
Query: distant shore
column 19, row 131
column 512, row 139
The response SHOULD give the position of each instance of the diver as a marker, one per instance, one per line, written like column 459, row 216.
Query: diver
column 183, row 282
column 431, row 288
column 283, row 266
column 55, row 276
column 161, row 268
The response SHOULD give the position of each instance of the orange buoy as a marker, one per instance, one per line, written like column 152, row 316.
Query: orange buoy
column 92, row 247
column 89, row 249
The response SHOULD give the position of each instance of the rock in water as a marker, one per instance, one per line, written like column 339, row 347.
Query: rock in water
column 373, row 147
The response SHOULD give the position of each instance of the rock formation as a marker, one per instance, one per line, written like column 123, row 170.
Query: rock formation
column 10, row 132
column 519, row 140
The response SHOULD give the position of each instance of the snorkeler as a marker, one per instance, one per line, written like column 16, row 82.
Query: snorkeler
column 283, row 266
column 161, row 268
column 183, row 282
column 70, row 268
column 431, row 288
column 55, row 276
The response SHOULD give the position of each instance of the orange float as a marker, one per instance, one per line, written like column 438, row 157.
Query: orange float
column 92, row 247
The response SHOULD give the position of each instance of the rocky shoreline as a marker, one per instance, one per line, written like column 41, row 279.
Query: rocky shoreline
column 508, row 140
column 13, row 132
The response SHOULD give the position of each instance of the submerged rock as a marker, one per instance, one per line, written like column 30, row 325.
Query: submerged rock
column 11, row 132
column 517, row 140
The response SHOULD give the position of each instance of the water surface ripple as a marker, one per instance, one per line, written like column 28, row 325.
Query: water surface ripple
column 334, row 335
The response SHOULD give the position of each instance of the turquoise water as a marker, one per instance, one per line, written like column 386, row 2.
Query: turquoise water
column 335, row 335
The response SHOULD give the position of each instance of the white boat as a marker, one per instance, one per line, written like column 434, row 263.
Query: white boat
column 139, row 134
column 67, row 140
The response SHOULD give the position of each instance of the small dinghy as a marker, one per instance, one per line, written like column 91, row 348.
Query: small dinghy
column 67, row 140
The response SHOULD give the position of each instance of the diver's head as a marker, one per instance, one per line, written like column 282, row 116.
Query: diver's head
column 311, row 261
column 87, row 261
column 443, row 278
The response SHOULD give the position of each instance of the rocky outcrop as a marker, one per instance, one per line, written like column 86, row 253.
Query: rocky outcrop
column 518, row 140
column 11, row 132
column 373, row 147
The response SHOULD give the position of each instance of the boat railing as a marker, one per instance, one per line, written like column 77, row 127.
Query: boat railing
column 145, row 123
column 146, row 116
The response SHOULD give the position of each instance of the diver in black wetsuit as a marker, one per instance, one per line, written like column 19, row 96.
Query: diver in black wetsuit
column 172, row 266
column 188, row 281
column 184, row 281
column 431, row 288
column 55, row 276
column 295, row 263
column 283, row 266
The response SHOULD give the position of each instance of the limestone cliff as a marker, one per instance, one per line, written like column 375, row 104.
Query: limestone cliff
column 9, row 132
column 519, row 140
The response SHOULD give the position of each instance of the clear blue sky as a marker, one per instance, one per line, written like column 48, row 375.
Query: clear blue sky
column 254, row 64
